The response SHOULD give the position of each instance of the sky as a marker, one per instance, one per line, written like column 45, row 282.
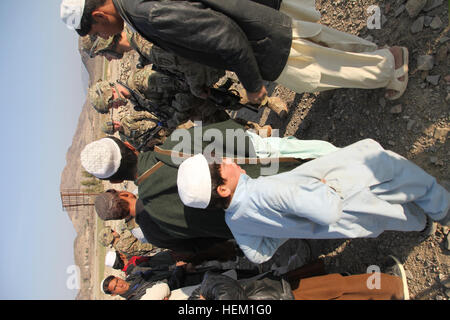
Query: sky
column 42, row 97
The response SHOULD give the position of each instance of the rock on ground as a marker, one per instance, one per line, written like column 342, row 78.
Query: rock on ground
column 425, row 62
column 413, row 7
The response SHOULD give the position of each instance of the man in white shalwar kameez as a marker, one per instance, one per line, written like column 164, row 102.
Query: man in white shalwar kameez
column 319, row 58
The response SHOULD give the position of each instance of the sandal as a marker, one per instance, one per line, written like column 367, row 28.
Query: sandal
column 396, row 84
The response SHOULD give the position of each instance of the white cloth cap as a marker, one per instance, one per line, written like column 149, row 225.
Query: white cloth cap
column 110, row 258
column 101, row 158
column 194, row 182
column 72, row 12
column 101, row 286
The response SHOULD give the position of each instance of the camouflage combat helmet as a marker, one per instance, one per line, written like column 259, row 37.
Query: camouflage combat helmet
column 108, row 127
column 106, row 236
column 94, row 46
column 100, row 95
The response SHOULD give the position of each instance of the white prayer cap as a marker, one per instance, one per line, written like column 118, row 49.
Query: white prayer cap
column 194, row 182
column 110, row 258
column 101, row 158
column 72, row 12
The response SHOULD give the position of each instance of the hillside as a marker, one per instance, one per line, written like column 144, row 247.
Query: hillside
column 84, row 219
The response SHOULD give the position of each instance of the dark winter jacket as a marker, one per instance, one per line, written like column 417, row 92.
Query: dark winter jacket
column 175, row 279
column 156, row 235
column 220, row 287
column 251, row 39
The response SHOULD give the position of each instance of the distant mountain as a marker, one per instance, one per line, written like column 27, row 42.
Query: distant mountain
column 88, row 130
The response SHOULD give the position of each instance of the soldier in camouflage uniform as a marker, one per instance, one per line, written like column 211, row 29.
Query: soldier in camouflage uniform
column 196, row 76
column 167, row 92
column 166, row 87
column 105, row 95
column 133, row 128
column 176, row 82
column 125, row 243
column 166, row 97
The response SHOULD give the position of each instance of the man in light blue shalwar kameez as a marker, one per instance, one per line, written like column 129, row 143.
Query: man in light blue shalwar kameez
column 276, row 147
column 357, row 191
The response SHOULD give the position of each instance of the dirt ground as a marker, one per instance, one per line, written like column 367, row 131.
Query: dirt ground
column 415, row 126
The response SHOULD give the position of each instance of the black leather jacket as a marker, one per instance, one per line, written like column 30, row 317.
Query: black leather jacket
column 264, row 287
column 243, row 36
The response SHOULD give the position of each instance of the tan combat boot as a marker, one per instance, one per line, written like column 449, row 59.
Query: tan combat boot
column 277, row 105
column 263, row 131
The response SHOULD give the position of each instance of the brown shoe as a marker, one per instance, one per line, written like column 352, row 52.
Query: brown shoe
column 394, row 267
column 264, row 131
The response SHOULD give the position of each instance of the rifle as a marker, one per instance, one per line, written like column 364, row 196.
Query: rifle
column 222, row 97
column 148, row 136
column 143, row 103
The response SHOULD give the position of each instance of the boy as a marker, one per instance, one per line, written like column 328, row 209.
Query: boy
column 358, row 191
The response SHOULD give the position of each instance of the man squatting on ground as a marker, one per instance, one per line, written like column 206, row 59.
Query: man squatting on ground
column 257, row 41
column 299, row 285
column 358, row 191
column 305, row 283
column 159, row 283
